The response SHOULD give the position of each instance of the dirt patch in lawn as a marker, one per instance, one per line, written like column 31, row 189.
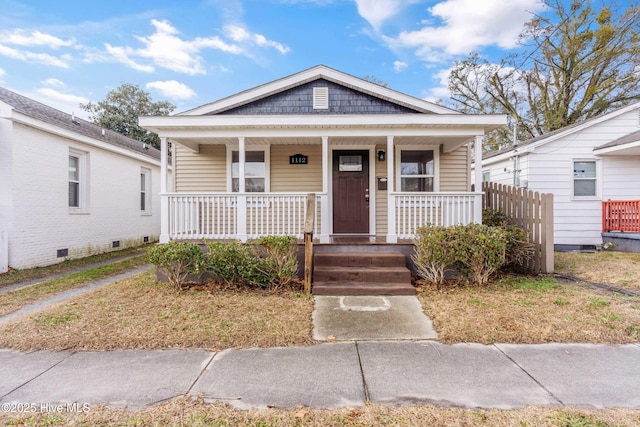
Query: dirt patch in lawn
column 531, row 310
column 187, row 412
column 140, row 313
column 612, row 268
column 15, row 300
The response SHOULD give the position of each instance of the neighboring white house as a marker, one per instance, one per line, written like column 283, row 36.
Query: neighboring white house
column 68, row 188
column 584, row 165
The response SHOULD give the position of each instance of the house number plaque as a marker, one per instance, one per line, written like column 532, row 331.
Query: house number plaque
column 298, row 159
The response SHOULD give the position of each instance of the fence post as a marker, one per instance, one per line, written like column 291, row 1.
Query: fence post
column 309, row 225
column 547, row 233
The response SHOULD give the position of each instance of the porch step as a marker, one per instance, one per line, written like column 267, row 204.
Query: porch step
column 362, row 288
column 365, row 259
column 361, row 273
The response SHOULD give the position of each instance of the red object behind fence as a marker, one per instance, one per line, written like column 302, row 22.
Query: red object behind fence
column 621, row 215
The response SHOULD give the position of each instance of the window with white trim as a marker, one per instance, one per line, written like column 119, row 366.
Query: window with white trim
column 255, row 171
column 486, row 176
column 418, row 170
column 585, row 178
column 145, row 190
column 78, row 180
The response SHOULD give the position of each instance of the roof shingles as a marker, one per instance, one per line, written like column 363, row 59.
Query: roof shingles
column 37, row 110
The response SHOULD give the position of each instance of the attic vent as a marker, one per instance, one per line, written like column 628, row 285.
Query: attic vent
column 320, row 98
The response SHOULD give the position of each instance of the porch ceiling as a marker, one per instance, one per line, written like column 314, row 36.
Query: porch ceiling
column 449, row 143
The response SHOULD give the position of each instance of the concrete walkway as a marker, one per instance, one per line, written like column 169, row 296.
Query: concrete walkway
column 332, row 375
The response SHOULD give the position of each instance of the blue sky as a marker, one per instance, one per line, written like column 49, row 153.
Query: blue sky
column 190, row 53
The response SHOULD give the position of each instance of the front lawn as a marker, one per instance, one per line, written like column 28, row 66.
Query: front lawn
column 613, row 268
column 531, row 310
column 140, row 313
column 19, row 298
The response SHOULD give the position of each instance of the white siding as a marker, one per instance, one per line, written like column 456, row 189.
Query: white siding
column 548, row 169
column 42, row 221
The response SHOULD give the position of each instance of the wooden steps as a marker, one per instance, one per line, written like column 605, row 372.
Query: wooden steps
column 361, row 273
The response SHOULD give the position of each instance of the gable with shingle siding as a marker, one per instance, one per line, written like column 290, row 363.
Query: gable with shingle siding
column 299, row 100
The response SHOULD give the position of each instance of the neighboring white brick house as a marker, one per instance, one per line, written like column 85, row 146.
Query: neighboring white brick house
column 583, row 165
column 68, row 189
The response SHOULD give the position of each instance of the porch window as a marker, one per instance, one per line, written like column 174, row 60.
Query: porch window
column 584, row 178
column 255, row 171
column 417, row 170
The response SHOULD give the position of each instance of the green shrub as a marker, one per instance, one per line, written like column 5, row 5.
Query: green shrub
column 230, row 263
column 479, row 251
column 278, row 256
column 433, row 253
column 177, row 260
column 268, row 262
column 519, row 248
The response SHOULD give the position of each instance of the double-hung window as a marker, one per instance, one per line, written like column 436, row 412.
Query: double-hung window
column 255, row 171
column 418, row 170
column 585, row 178
column 78, row 180
column 145, row 190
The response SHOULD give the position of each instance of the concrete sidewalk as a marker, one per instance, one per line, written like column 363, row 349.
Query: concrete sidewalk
column 333, row 375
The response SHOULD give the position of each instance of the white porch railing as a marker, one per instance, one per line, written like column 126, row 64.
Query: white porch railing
column 251, row 215
column 238, row 216
column 441, row 209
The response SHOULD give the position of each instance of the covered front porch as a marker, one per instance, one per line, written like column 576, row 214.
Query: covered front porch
column 367, row 179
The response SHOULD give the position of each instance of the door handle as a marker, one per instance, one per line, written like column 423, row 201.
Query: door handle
column 366, row 195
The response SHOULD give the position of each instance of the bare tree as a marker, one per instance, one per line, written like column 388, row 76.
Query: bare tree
column 577, row 61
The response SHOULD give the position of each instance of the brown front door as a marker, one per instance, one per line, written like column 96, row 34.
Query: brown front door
column 351, row 191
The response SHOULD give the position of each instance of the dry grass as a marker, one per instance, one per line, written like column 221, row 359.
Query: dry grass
column 613, row 268
column 14, row 276
column 140, row 313
column 15, row 300
column 532, row 310
column 187, row 412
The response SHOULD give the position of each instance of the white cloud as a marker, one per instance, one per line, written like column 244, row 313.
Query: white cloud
column 66, row 102
column 241, row 35
column 36, row 38
column 53, row 82
column 441, row 91
column 466, row 26
column 1, row 72
column 166, row 49
column 399, row 66
column 378, row 11
column 122, row 54
column 172, row 89
column 33, row 57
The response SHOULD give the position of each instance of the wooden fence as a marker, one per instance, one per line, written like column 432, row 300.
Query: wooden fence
column 529, row 210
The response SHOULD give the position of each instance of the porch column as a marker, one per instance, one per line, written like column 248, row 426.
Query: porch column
column 324, row 203
column 477, row 206
column 241, row 231
column 164, row 198
column 392, row 236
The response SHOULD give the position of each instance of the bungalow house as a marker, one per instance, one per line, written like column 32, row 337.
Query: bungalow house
column 593, row 170
column 69, row 188
column 379, row 162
